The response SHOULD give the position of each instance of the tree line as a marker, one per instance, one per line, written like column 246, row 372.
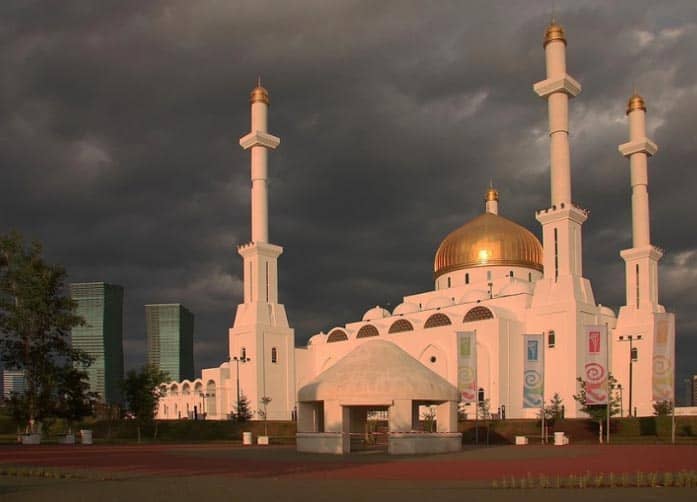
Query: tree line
column 36, row 319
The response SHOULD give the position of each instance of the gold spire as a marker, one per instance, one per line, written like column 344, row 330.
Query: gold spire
column 636, row 102
column 491, row 194
column 259, row 93
column 554, row 32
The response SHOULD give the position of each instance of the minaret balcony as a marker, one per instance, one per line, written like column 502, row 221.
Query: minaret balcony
column 258, row 138
column 566, row 84
column 643, row 145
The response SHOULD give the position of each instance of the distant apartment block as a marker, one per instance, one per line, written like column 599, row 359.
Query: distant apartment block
column 12, row 381
column 693, row 394
column 101, row 306
column 170, row 332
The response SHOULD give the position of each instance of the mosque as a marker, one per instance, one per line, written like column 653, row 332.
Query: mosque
column 511, row 321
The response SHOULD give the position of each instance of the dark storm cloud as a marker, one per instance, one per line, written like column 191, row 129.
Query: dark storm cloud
column 119, row 124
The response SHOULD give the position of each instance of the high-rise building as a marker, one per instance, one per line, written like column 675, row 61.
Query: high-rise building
column 170, row 330
column 12, row 381
column 693, row 394
column 101, row 306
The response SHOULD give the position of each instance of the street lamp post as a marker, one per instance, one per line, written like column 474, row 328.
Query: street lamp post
column 241, row 359
column 633, row 356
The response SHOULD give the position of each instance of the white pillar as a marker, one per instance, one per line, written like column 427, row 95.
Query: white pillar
column 642, row 259
column 557, row 88
column 561, row 223
column 260, row 142
column 638, row 150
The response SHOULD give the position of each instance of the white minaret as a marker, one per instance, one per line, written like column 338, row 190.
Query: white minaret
column 563, row 301
column 561, row 223
column 644, row 338
column 260, row 141
column 261, row 332
column 642, row 259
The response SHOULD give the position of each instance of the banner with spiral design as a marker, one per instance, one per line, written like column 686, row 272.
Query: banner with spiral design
column 467, row 366
column 595, row 371
column 663, row 371
column 533, row 371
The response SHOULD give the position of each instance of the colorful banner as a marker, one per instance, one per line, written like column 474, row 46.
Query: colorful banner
column 533, row 371
column 596, row 366
column 663, row 374
column 467, row 366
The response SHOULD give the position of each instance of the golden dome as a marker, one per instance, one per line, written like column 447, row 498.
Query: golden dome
column 554, row 32
column 636, row 102
column 488, row 240
column 259, row 94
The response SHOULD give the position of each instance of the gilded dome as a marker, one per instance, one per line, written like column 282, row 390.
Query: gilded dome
column 488, row 240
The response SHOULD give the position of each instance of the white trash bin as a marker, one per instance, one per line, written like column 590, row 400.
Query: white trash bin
column 86, row 436
column 560, row 439
column 246, row 438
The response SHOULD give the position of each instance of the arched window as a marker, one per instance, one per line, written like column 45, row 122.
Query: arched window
column 529, row 276
column 467, row 278
column 437, row 320
column 274, row 355
column 510, row 273
column 400, row 325
column 243, row 353
column 478, row 314
column 448, row 281
column 337, row 336
column 366, row 331
column 551, row 339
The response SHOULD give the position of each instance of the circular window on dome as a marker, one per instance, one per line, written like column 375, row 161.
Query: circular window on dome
column 433, row 359
column 437, row 320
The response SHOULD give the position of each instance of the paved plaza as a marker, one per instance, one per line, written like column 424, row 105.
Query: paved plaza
column 231, row 472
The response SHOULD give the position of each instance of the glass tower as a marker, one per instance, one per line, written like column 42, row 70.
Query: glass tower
column 101, row 306
column 170, row 329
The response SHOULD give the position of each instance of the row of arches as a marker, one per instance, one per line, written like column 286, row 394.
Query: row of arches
column 186, row 388
column 401, row 325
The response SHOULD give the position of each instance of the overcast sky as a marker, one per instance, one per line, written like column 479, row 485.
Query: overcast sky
column 120, row 120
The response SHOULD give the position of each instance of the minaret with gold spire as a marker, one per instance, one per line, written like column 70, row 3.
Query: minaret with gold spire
column 563, row 300
column 261, row 342
column 642, row 259
column 642, row 321
column 561, row 222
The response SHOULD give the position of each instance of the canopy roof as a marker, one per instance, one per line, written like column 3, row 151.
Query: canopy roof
column 378, row 371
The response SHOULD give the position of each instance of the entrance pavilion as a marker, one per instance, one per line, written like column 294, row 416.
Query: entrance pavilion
column 377, row 383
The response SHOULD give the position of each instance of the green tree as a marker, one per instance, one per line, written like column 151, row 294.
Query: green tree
column 554, row 410
column 75, row 401
column 242, row 411
column 36, row 317
column 143, row 390
column 662, row 408
column 598, row 412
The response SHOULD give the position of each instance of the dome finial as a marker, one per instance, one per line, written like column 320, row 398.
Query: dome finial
column 554, row 32
column 636, row 102
column 491, row 199
column 259, row 94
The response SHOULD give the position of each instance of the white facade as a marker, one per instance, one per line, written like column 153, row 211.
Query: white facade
column 492, row 277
